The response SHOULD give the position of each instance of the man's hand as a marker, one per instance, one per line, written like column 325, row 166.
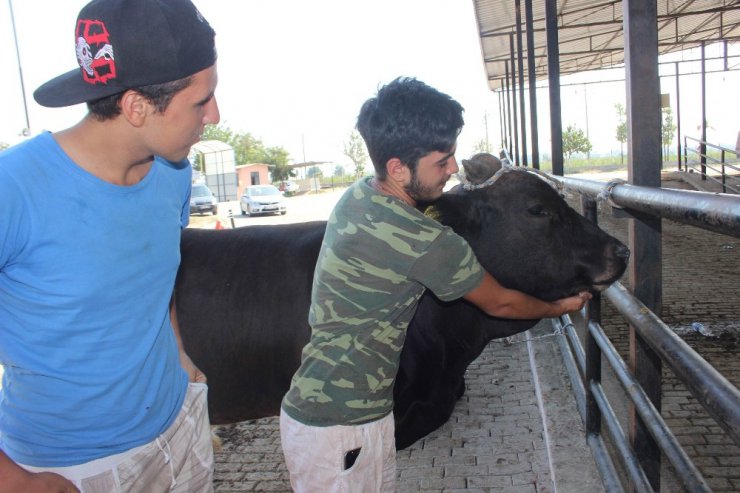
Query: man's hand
column 13, row 478
column 194, row 373
column 48, row 482
column 573, row 303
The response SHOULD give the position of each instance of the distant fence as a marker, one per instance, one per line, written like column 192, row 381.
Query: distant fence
column 705, row 157
column 721, row 399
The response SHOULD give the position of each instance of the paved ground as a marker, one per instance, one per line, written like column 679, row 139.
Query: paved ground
column 502, row 438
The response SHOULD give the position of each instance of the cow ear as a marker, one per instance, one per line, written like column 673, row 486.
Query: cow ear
column 459, row 213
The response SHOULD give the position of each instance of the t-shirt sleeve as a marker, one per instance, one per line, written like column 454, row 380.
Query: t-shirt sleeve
column 13, row 229
column 449, row 267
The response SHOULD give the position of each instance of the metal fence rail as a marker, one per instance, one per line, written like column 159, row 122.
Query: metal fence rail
column 721, row 399
column 728, row 158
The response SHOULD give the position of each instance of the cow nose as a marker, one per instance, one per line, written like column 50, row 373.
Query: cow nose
column 622, row 252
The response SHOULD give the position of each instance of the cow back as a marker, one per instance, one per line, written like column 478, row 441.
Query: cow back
column 242, row 299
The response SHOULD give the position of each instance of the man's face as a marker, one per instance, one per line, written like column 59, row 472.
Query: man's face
column 181, row 125
column 431, row 174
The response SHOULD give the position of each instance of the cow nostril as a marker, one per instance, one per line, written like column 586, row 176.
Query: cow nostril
column 622, row 252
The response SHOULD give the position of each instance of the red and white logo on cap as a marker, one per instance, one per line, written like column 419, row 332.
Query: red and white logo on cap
column 94, row 52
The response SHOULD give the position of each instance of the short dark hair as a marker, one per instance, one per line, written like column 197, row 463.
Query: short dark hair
column 159, row 95
column 407, row 120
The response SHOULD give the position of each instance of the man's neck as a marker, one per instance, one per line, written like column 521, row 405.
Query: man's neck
column 103, row 150
column 392, row 188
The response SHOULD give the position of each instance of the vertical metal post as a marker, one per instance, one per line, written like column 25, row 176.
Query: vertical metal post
column 513, row 100
column 508, row 111
column 678, row 118
column 703, row 145
column 553, row 70
column 644, row 155
column 26, row 131
column 593, row 353
column 532, row 85
column 501, row 117
column 520, row 65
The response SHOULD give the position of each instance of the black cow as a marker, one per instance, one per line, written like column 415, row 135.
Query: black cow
column 243, row 298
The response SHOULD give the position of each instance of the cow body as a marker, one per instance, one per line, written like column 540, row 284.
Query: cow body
column 243, row 297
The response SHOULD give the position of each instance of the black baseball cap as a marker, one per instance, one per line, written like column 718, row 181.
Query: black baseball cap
column 124, row 44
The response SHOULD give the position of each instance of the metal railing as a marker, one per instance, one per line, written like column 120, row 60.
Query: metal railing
column 723, row 163
column 720, row 398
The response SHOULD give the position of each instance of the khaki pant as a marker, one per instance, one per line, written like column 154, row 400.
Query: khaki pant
column 179, row 460
column 315, row 456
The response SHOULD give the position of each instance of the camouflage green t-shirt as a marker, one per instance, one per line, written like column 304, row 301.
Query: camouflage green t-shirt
column 377, row 257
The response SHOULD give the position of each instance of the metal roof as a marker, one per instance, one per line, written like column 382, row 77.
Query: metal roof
column 590, row 32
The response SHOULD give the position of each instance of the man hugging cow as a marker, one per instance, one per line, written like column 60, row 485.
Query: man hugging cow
column 378, row 256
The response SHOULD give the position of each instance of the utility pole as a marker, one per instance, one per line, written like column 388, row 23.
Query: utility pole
column 27, row 130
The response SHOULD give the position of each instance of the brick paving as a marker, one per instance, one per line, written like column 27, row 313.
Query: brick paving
column 501, row 438
column 496, row 440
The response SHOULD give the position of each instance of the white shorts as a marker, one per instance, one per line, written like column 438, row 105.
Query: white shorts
column 317, row 456
column 180, row 459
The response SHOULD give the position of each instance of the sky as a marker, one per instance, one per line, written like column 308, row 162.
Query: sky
column 294, row 74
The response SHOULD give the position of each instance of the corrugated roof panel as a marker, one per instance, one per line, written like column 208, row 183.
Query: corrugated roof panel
column 590, row 32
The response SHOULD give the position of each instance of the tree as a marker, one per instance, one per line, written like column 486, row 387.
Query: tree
column 575, row 141
column 482, row 146
column 339, row 171
column 247, row 148
column 621, row 129
column 667, row 129
column 314, row 172
column 354, row 149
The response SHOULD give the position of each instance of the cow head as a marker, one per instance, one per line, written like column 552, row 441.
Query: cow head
column 525, row 234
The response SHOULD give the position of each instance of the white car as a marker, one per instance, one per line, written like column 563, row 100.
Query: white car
column 262, row 199
column 290, row 187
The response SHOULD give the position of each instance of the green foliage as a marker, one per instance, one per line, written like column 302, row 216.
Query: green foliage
column 575, row 141
column 314, row 172
column 354, row 149
column 621, row 129
column 339, row 171
column 248, row 148
column 482, row 146
column 667, row 130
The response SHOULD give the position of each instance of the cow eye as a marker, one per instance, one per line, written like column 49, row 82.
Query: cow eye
column 538, row 210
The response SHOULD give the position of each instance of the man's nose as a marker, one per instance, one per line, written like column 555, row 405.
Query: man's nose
column 213, row 115
column 452, row 168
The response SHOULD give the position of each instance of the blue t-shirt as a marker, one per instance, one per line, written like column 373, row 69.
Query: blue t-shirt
column 87, row 270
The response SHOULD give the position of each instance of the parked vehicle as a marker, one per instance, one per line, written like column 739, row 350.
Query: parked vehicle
column 289, row 187
column 202, row 200
column 262, row 199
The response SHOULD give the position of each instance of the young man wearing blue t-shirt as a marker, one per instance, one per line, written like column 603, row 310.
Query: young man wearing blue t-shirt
column 98, row 394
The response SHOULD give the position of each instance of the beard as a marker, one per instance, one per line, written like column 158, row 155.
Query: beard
column 423, row 193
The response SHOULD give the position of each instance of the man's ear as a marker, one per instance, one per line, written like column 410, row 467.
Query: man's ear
column 398, row 171
column 135, row 107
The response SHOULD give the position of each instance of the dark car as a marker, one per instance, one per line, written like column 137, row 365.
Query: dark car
column 202, row 200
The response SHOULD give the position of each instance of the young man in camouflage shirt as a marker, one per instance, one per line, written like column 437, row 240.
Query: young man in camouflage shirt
column 378, row 256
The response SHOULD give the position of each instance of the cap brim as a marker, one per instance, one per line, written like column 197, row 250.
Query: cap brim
column 69, row 89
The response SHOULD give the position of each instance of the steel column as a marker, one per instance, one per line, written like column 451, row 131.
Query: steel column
column 644, row 154
column 513, row 100
column 532, row 85
column 520, row 68
column 553, row 70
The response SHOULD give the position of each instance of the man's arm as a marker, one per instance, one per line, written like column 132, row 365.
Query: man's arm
column 498, row 301
column 194, row 373
column 14, row 478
